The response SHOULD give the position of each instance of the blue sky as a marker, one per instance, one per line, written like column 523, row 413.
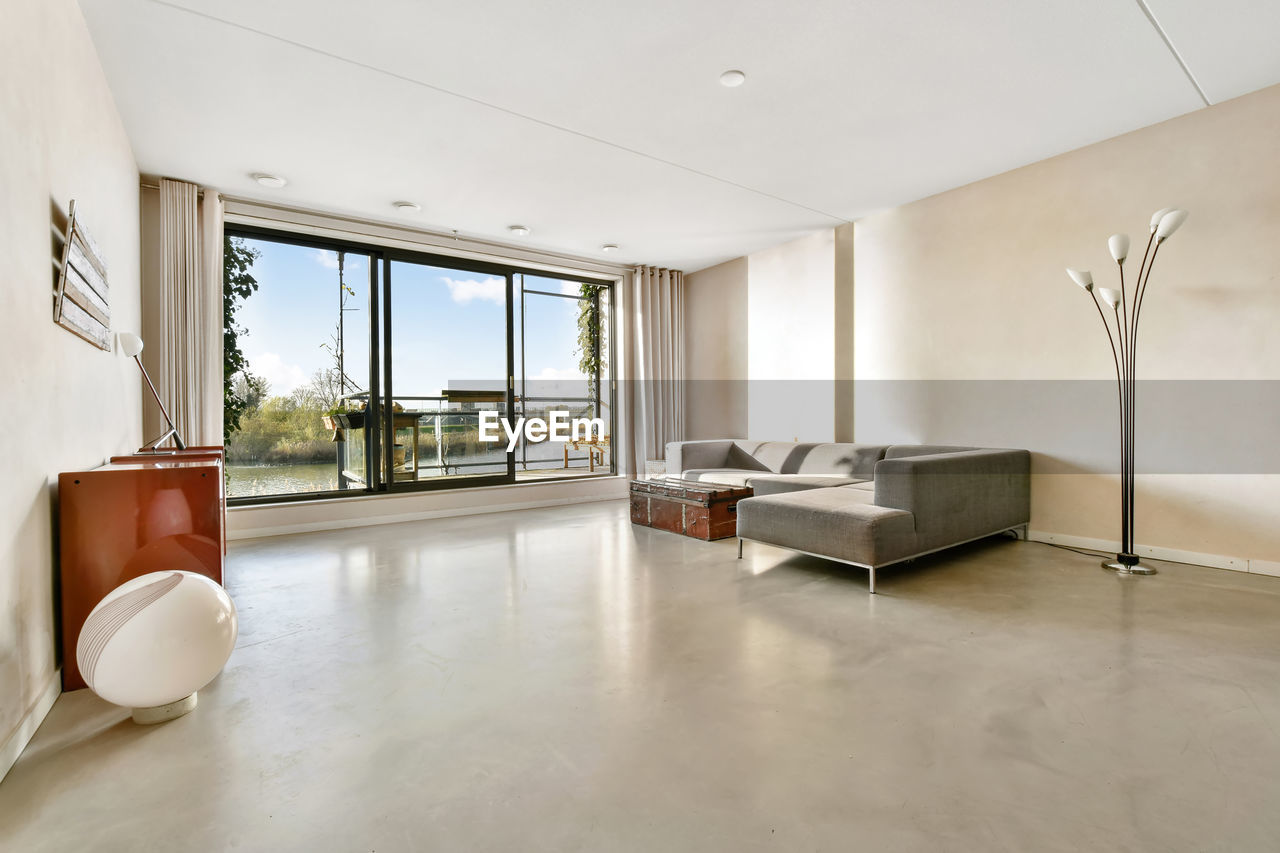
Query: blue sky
column 448, row 326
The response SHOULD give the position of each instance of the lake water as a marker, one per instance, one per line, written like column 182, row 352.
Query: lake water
column 253, row 480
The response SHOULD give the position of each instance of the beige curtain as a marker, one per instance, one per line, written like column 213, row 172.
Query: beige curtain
column 655, row 369
column 186, row 360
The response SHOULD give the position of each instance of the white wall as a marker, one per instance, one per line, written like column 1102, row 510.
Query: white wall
column 791, row 349
column 70, row 405
column 769, row 343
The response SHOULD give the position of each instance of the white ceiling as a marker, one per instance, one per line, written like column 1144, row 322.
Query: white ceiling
column 605, row 122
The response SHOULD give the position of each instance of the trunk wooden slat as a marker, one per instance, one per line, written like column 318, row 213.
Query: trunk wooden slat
column 690, row 508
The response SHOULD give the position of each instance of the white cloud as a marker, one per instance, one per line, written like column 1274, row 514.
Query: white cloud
column 558, row 373
column 326, row 259
column 283, row 378
column 491, row 290
column 556, row 382
column 570, row 288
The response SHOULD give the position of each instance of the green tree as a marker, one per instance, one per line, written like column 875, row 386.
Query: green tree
column 591, row 338
column 238, row 284
column 253, row 390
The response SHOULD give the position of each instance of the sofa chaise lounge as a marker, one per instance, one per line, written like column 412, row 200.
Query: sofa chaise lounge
column 866, row 505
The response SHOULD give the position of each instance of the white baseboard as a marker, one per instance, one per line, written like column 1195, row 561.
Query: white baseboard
column 419, row 515
column 26, row 729
column 1265, row 567
column 1172, row 555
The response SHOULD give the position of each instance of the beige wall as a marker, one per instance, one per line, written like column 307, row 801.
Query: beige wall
column 843, row 307
column 152, row 286
column 969, row 285
column 72, row 405
column 716, row 351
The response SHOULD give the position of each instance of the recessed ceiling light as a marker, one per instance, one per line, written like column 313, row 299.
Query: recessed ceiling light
column 274, row 182
column 407, row 206
column 518, row 230
column 732, row 78
column 609, row 247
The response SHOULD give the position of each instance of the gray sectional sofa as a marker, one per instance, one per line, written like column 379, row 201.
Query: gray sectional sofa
column 867, row 505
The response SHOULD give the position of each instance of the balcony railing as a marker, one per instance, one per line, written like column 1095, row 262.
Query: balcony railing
column 438, row 436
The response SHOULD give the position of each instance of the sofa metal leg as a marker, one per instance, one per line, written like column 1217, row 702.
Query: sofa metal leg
column 1019, row 532
column 739, row 549
column 872, row 584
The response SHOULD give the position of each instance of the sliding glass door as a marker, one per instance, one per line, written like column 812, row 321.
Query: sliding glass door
column 297, row 366
column 562, row 365
column 356, row 368
column 448, row 362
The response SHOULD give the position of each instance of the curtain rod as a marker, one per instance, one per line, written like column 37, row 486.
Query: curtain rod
column 369, row 228
column 148, row 185
column 543, row 256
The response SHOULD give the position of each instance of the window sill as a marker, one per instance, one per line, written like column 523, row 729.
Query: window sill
column 247, row 521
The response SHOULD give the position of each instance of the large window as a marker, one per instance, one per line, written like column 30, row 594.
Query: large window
column 363, row 369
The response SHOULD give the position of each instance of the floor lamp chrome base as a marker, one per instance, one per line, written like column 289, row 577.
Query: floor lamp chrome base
column 1128, row 564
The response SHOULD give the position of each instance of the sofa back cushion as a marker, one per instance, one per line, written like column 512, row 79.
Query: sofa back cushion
column 740, row 456
column 771, row 454
column 855, row 461
column 901, row 451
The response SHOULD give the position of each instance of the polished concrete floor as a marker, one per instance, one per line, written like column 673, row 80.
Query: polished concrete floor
column 557, row 680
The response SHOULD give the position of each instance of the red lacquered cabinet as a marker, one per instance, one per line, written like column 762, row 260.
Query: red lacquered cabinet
column 145, row 512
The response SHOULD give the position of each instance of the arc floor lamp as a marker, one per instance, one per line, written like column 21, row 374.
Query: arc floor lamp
column 131, row 345
column 1122, row 334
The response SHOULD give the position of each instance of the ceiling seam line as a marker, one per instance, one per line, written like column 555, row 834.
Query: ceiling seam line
column 510, row 112
column 1168, row 42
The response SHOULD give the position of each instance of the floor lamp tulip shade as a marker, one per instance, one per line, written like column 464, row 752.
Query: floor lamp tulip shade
column 155, row 640
column 1125, row 308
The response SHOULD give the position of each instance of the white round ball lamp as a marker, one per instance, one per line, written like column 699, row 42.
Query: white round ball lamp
column 156, row 640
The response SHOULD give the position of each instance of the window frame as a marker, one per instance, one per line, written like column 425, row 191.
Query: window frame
column 380, row 342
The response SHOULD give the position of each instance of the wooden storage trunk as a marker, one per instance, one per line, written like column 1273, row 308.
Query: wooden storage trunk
column 700, row 510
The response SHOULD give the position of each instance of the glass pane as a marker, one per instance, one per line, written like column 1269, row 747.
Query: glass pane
column 448, row 365
column 299, row 320
column 562, row 357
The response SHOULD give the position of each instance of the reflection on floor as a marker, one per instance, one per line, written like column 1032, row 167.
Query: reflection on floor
column 557, row 679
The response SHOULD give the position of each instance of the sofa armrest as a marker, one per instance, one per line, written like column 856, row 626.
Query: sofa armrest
column 958, row 496
column 686, row 455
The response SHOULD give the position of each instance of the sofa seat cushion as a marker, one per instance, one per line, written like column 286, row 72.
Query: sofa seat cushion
column 863, row 486
column 776, row 484
column 726, row 476
column 841, row 523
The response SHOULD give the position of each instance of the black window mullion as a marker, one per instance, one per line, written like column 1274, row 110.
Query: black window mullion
column 373, row 405
column 524, row 386
column 511, row 365
column 388, row 404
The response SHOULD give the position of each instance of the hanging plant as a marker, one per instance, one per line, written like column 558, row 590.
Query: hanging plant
column 591, row 338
